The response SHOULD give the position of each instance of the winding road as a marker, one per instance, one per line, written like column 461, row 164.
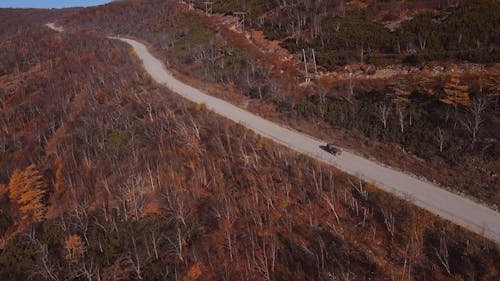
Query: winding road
column 448, row 205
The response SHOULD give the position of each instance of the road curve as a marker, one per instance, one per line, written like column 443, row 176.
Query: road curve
column 455, row 208
column 53, row 26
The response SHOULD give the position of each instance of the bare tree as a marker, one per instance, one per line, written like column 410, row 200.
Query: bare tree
column 401, row 110
column 134, row 258
column 442, row 254
column 322, row 102
column 440, row 137
column 88, row 271
column 331, row 205
column 389, row 222
column 46, row 269
column 81, row 219
column 383, row 110
column 350, row 86
column 422, row 42
column 473, row 119
column 177, row 243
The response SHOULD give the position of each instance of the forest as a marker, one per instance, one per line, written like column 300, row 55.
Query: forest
column 105, row 175
column 442, row 127
column 378, row 32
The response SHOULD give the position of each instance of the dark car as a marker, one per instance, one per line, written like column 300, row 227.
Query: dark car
column 330, row 148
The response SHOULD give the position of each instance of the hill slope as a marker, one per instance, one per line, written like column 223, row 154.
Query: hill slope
column 416, row 118
column 132, row 182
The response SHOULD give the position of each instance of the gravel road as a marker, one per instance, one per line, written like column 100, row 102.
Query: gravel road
column 460, row 210
column 455, row 208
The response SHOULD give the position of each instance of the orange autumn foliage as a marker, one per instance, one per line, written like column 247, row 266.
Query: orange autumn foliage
column 194, row 272
column 75, row 248
column 457, row 93
column 59, row 182
column 28, row 189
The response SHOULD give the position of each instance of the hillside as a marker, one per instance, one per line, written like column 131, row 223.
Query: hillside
column 105, row 175
column 423, row 122
column 377, row 31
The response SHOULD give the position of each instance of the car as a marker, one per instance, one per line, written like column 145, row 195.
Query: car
column 330, row 148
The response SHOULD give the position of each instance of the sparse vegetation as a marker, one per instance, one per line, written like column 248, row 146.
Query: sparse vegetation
column 143, row 185
column 425, row 118
column 343, row 32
